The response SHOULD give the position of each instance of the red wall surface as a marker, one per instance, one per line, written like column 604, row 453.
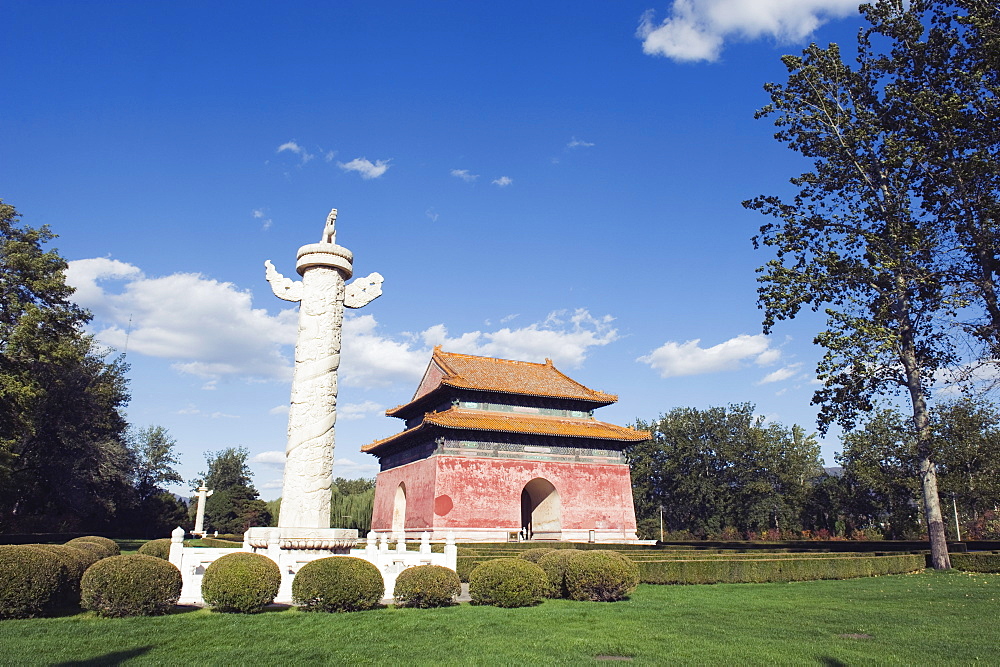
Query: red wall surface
column 475, row 496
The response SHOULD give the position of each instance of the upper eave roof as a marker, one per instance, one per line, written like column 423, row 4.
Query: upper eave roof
column 502, row 422
column 506, row 376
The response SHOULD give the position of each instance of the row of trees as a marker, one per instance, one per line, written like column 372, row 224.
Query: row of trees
column 893, row 232
column 68, row 459
column 727, row 473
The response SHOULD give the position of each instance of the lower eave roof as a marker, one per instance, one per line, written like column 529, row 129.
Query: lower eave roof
column 482, row 420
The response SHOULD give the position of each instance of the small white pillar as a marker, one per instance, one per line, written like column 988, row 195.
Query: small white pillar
column 176, row 555
column 450, row 551
column 425, row 542
column 199, row 521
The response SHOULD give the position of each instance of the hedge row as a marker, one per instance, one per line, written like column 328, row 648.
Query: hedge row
column 775, row 570
column 217, row 543
column 976, row 562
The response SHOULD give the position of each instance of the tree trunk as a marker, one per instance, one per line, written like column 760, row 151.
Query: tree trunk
column 932, row 510
column 921, row 422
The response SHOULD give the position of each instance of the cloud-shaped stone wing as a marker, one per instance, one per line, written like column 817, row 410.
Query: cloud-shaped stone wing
column 363, row 290
column 283, row 288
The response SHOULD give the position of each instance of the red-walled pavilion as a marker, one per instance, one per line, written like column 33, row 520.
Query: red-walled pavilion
column 494, row 447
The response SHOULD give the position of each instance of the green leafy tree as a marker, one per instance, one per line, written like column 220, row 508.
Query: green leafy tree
column 351, row 504
column 880, row 482
column 235, row 504
column 157, row 511
column 154, row 460
column 867, row 237
column 967, row 447
column 64, row 463
column 722, row 468
column 942, row 92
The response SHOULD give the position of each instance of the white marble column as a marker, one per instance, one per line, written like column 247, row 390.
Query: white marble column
column 199, row 519
column 322, row 293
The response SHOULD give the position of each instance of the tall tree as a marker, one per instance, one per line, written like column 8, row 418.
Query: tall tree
column 157, row 511
column 866, row 238
column 154, row 460
column 967, row 446
column 722, row 468
column 235, row 504
column 942, row 73
column 879, row 478
column 64, row 464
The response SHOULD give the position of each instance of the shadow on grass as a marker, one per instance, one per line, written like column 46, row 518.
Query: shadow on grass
column 114, row 658
column 831, row 662
column 269, row 609
column 182, row 609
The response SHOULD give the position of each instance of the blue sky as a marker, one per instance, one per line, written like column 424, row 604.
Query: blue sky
column 533, row 180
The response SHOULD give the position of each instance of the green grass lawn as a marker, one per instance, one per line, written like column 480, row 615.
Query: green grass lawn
column 927, row 618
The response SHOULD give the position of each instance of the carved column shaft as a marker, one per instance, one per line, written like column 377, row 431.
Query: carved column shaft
column 305, row 500
column 323, row 295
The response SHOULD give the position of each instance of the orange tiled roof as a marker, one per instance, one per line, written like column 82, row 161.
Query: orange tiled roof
column 482, row 420
column 466, row 371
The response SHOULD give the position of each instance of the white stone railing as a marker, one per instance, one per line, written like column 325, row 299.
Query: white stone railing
column 192, row 561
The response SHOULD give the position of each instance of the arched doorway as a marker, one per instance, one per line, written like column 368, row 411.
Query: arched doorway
column 540, row 511
column 399, row 509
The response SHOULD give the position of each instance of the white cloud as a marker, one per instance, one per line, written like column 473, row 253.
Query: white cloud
column 577, row 143
column 200, row 323
column 780, row 374
column 349, row 469
column 372, row 359
column 674, row 359
column 293, row 147
column 278, row 410
column 503, row 181
column 464, row 175
column 273, row 458
column 353, row 411
column 192, row 410
column 202, row 326
column 83, row 275
column 563, row 337
column 365, row 167
column 432, row 214
column 259, row 214
column 697, row 29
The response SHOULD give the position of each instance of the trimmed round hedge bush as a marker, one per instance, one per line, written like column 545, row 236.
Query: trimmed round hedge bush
column 241, row 582
column 31, row 580
column 157, row 548
column 338, row 583
column 600, row 576
column 97, row 551
column 110, row 547
column 508, row 582
column 534, row 555
column 89, row 552
column 130, row 585
column 75, row 562
column 427, row 586
column 554, row 563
